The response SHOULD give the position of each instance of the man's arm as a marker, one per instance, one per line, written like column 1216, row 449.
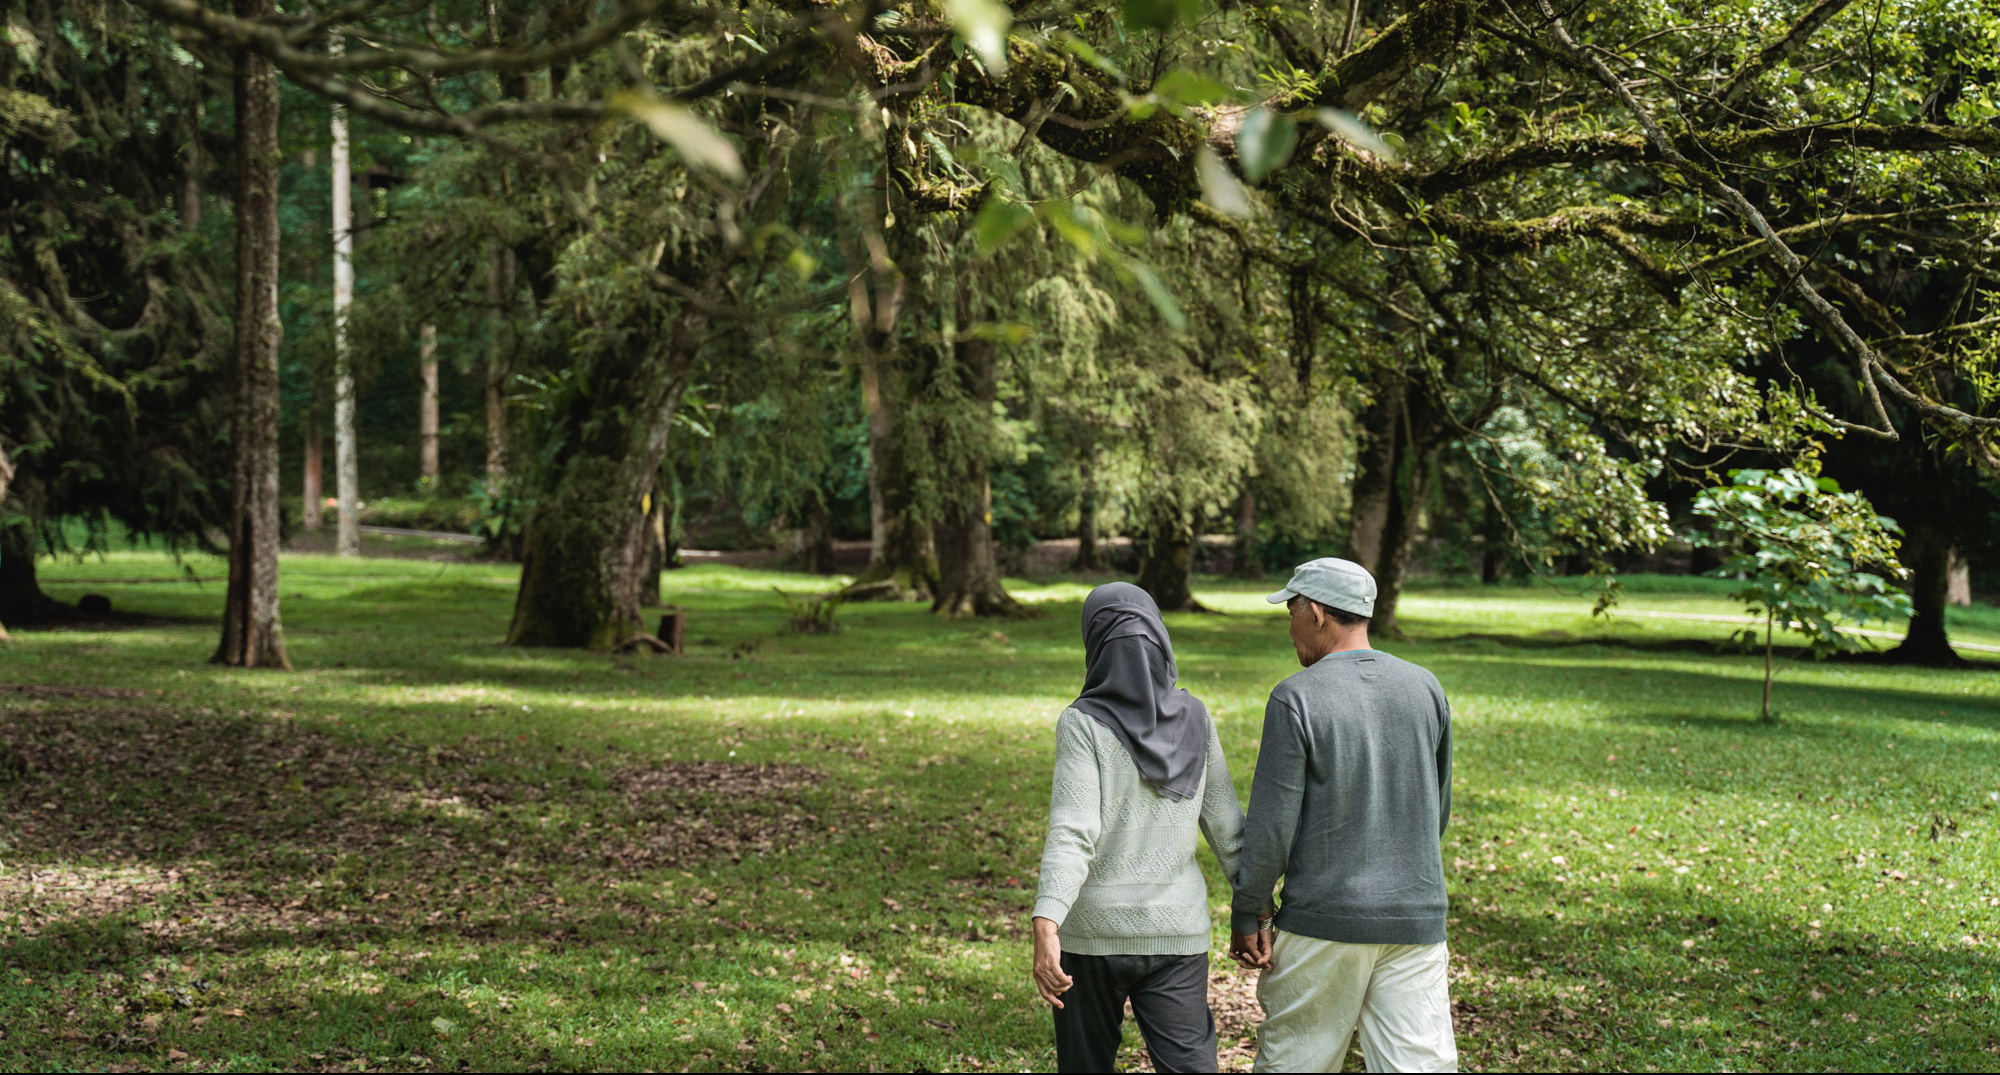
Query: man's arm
column 1275, row 796
column 1444, row 762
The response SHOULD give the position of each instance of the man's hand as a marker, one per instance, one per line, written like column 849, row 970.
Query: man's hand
column 1050, row 981
column 1252, row 949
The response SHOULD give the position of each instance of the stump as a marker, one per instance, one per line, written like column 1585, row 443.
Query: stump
column 673, row 630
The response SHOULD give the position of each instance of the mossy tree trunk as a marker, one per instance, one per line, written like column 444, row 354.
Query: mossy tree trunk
column 585, row 552
column 251, row 633
column 1166, row 566
column 968, row 571
column 1088, row 556
column 1245, row 561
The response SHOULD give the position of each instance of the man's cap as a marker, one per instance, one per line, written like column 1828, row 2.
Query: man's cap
column 1333, row 582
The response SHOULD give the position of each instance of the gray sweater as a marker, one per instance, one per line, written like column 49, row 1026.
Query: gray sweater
column 1351, row 796
column 1118, row 869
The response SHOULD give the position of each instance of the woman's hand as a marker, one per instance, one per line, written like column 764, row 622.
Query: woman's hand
column 1050, row 981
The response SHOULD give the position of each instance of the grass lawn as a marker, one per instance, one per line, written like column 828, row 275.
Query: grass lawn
column 427, row 851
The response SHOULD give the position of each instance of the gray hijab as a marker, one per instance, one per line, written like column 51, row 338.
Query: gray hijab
column 1128, row 686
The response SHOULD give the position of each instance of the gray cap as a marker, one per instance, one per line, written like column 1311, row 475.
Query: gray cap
column 1333, row 582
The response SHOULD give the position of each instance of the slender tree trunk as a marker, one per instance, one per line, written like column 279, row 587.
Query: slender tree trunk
column 656, row 548
column 1927, row 553
column 1088, row 556
column 347, row 477
column 1958, row 580
column 427, row 408
column 498, row 288
column 878, row 433
column 1399, row 538
column 1765, row 713
column 6, row 479
column 968, row 571
column 1492, row 544
column 814, row 552
column 1166, row 567
column 252, row 636
column 1246, row 563
column 191, row 175
column 1375, row 473
column 584, row 549
column 314, row 492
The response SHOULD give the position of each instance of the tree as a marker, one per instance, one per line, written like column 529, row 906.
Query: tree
column 252, row 636
column 111, row 341
column 346, row 465
column 1456, row 144
column 1803, row 548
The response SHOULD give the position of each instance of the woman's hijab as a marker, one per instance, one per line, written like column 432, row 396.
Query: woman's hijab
column 1128, row 686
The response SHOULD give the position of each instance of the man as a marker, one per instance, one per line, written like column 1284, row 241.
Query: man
column 1351, row 796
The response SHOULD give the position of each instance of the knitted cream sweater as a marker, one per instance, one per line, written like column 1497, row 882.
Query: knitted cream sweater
column 1118, row 869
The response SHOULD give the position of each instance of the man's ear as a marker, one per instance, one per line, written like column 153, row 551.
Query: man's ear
column 1319, row 614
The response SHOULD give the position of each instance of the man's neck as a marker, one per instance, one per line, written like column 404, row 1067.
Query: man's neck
column 1345, row 642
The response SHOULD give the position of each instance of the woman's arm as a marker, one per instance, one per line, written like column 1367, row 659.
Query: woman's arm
column 1074, row 819
column 1075, row 822
column 1221, row 814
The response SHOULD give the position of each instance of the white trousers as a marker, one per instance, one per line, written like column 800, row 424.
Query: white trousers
column 1316, row 992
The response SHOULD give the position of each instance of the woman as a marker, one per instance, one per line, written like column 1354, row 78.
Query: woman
column 1122, row 912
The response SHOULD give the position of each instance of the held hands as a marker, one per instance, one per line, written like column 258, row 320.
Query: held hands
column 1253, row 949
column 1050, row 981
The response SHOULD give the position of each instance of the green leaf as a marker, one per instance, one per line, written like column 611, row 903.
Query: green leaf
column 1183, row 87
column 1264, row 144
column 1082, row 50
column 984, row 25
column 1068, row 224
column 1355, row 133
column 998, row 221
column 1219, row 188
column 693, row 139
column 1157, row 294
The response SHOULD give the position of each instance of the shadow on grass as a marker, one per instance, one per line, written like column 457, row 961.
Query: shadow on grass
column 140, row 839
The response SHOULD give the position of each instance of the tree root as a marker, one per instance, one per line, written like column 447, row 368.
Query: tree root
column 642, row 641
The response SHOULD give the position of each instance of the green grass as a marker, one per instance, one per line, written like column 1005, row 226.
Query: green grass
column 427, row 851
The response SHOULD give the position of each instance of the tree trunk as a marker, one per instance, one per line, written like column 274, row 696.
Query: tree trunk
column 814, row 552
column 968, row 572
column 21, row 598
column 427, row 408
column 656, row 548
column 584, row 549
column 1245, row 562
column 6, row 479
column 1088, row 556
column 1375, row 473
column 1927, row 553
column 314, row 492
column 878, row 432
column 346, row 472
column 1399, row 537
column 1958, row 580
column 252, row 636
column 1166, row 567
column 1492, row 544
column 498, row 287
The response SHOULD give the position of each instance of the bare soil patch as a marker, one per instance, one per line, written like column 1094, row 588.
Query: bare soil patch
column 199, row 823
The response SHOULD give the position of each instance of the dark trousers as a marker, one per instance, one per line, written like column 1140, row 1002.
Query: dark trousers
column 1169, row 996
